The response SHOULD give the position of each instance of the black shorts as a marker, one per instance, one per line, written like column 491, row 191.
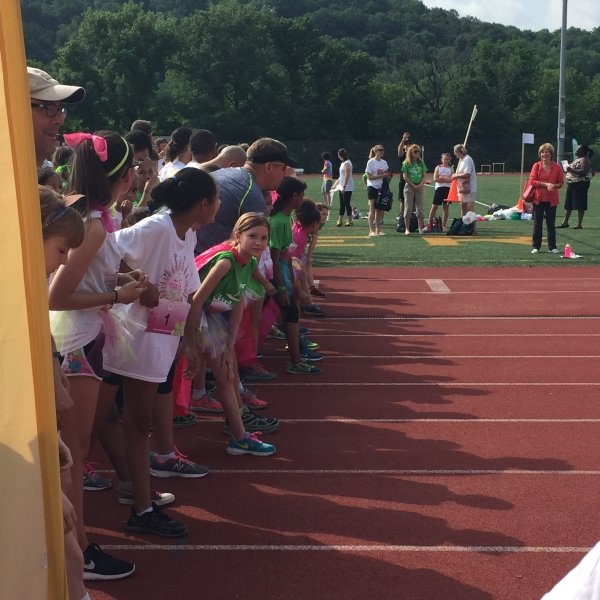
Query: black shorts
column 372, row 192
column 290, row 313
column 166, row 387
column 440, row 195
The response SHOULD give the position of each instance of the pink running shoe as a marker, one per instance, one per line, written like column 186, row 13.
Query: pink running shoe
column 256, row 373
column 205, row 404
column 250, row 399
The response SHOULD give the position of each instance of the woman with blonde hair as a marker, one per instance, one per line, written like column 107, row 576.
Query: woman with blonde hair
column 377, row 171
column 413, row 171
column 547, row 178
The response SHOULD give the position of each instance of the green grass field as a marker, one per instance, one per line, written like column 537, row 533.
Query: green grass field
column 497, row 242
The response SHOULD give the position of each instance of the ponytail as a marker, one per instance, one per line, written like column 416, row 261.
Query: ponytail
column 94, row 173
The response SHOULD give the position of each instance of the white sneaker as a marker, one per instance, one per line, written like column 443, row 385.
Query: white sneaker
column 534, row 251
column 553, row 251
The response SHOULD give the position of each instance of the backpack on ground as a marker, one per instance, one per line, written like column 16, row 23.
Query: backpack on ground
column 413, row 226
column 460, row 228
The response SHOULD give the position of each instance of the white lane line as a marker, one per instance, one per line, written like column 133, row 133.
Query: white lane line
column 397, row 472
column 468, row 292
column 349, row 548
column 440, row 420
column 459, row 279
column 435, row 334
column 419, row 318
column 437, row 356
column 436, row 384
column 438, row 286
column 403, row 472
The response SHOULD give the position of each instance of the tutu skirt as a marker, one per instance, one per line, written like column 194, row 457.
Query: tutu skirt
column 213, row 334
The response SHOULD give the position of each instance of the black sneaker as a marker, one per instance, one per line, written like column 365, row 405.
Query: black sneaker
column 155, row 522
column 254, row 423
column 97, row 565
column 182, row 421
column 313, row 310
column 92, row 480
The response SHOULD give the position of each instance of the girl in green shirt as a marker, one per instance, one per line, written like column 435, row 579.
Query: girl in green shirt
column 213, row 321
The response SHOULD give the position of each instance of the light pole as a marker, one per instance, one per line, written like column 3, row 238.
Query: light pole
column 560, row 136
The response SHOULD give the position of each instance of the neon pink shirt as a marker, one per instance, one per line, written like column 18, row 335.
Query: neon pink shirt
column 300, row 238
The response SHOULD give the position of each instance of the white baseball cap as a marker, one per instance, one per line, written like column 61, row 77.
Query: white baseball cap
column 44, row 87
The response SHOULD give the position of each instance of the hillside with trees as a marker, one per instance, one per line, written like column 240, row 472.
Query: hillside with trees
column 314, row 70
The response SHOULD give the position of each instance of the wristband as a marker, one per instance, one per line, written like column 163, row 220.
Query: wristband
column 115, row 299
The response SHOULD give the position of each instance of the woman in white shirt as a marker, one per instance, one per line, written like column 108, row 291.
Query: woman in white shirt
column 466, row 177
column 178, row 153
column 377, row 170
column 345, row 188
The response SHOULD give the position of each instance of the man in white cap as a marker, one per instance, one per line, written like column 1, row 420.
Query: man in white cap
column 48, row 114
column 47, row 111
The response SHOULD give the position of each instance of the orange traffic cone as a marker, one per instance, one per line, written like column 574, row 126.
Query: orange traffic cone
column 453, row 193
column 520, row 206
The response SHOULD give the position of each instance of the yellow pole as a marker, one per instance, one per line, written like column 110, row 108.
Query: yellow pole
column 32, row 564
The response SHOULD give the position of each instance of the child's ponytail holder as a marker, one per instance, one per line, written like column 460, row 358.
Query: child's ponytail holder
column 74, row 139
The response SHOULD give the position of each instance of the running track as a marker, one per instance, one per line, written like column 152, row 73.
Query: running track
column 448, row 451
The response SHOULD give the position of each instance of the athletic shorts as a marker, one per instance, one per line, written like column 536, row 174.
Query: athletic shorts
column 166, row 387
column 86, row 361
column 440, row 195
column 326, row 186
column 372, row 192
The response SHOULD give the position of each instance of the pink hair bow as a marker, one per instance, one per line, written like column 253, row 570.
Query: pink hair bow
column 74, row 139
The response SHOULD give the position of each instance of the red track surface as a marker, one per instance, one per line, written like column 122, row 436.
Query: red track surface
column 448, row 451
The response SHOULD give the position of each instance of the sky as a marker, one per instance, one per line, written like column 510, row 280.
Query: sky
column 526, row 14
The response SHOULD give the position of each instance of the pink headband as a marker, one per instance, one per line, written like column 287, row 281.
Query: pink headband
column 74, row 139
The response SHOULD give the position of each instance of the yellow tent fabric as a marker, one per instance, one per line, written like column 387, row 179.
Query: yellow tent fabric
column 32, row 565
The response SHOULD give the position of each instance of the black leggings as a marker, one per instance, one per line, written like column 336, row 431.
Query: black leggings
column 345, row 203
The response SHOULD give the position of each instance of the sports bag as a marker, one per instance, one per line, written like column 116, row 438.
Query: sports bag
column 460, row 228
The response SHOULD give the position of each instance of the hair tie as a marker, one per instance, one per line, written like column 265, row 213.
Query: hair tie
column 122, row 162
column 74, row 139
column 57, row 216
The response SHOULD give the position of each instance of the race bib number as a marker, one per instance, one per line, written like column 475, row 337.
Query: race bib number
column 168, row 317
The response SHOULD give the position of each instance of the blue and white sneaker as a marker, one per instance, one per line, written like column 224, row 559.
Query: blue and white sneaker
column 307, row 354
column 250, row 444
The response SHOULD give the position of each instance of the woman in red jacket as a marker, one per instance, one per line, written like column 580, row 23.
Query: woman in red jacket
column 547, row 178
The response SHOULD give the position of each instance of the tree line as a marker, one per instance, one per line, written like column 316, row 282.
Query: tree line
column 313, row 70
